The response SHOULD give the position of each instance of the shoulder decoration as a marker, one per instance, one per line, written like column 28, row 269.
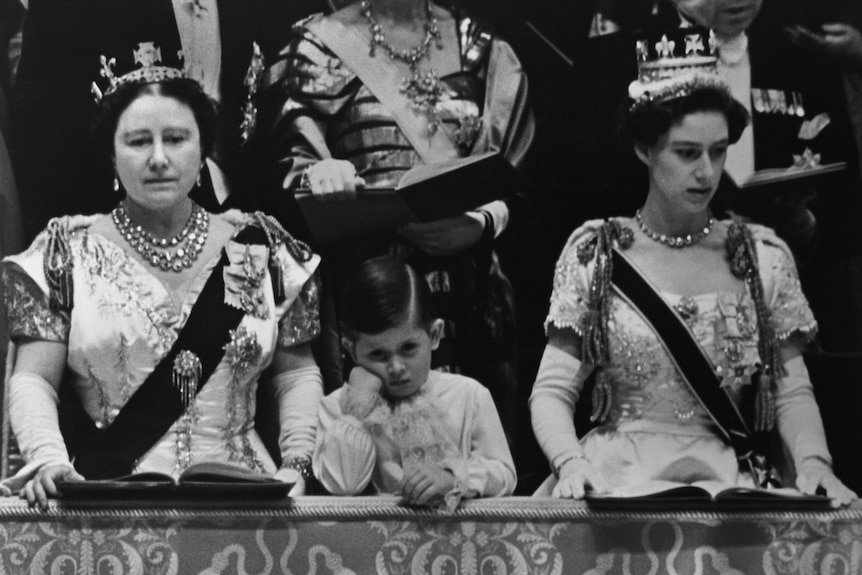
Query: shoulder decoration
column 277, row 236
column 58, row 264
column 742, row 255
column 595, row 346
column 252, row 82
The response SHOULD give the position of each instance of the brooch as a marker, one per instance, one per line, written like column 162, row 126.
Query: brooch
column 242, row 351
column 244, row 278
column 186, row 376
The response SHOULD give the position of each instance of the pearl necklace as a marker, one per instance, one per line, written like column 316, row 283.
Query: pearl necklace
column 675, row 241
column 157, row 251
column 424, row 90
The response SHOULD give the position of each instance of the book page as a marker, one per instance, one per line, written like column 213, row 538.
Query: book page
column 223, row 472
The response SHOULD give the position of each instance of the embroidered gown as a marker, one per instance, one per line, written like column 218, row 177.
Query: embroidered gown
column 657, row 429
column 324, row 110
column 123, row 321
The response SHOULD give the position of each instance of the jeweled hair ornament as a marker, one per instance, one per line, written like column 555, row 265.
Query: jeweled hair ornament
column 148, row 56
column 673, row 64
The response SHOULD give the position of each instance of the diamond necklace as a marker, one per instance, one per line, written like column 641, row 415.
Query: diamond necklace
column 675, row 241
column 157, row 251
column 423, row 89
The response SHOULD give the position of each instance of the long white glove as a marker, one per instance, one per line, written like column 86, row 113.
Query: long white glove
column 298, row 393
column 36, row 425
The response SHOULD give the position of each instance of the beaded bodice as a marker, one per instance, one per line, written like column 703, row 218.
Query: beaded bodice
column 644, row 380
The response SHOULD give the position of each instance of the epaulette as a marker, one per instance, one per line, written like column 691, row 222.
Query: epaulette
column 277, row 236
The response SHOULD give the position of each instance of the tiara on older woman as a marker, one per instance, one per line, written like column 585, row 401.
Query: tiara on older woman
column 673, row 64
column 148, row 56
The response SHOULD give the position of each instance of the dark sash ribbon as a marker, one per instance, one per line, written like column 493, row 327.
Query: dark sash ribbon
column 696, row 367
column 156, row 405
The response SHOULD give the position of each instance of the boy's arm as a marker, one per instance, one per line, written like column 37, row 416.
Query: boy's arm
column 490, row 470
column 344, row 455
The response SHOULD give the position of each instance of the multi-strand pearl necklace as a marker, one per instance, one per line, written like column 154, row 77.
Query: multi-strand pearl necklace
column 675, row 241
column 167, row 254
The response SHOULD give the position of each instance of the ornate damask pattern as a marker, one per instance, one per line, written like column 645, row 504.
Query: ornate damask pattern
column 359, row 536
column 88, row 548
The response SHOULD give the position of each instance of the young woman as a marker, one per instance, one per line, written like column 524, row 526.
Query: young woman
column 159, row 317
column 733, row 286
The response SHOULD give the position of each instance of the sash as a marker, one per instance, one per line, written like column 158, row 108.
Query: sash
column 693, row 363
column 382, row 78
column 156, row 404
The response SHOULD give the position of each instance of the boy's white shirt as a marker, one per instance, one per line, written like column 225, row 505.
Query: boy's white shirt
column 451, row 421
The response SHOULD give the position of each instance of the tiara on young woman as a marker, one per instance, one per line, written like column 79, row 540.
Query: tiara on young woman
column 149, row 57
column 674, row 63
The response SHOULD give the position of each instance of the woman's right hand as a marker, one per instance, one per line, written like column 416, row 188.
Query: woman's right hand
column 575, row 477
column 43, row 484
column 332, row 179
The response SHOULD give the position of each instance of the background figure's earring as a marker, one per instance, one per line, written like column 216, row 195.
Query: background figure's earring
column 116, row 184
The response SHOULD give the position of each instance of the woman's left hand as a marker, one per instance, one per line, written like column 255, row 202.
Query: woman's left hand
column 814, row 474
column 445, row 237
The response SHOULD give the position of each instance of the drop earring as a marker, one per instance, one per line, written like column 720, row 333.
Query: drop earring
column 198, row 181
column 116, row 184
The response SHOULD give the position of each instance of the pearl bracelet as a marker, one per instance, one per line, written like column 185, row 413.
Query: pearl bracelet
column 570, row 457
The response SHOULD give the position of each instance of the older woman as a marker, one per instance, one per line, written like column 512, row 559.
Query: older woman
column 708, row 297
column 378, row 87
column 159, row 317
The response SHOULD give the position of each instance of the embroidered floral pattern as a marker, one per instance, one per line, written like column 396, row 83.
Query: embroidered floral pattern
column 645, row 381
column 302, row 322
column 27, row 307
column 244, row 278
column 124, row 290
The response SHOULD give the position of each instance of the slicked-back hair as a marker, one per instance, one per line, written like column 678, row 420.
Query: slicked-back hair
column 382, row 294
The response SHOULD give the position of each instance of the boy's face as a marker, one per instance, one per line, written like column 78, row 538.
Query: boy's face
column 400, row 356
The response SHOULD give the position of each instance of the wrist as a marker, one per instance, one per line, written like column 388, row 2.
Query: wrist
column 564, row 464
column 299, row 463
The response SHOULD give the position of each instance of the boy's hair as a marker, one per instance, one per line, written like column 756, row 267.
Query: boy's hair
column 380, row 295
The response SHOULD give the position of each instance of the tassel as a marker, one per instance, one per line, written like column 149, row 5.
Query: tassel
column 277, row 277
column 601, row 397
column 764, row 406
column 58, row 265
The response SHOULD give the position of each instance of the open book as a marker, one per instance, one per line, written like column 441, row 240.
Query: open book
column 662, row 495
column 425, row 193
column 205, row 479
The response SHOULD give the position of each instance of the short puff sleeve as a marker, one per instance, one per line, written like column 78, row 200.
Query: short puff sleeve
column 570, row 296
column 791, row 314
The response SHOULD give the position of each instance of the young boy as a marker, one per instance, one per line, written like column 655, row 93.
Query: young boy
column 430, row 437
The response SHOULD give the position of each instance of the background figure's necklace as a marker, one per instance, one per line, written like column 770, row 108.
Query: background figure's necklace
column 676, row 241
column 423, row 89
column 157, row 252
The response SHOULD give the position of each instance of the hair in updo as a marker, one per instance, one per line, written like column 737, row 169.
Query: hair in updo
column 646, row 122
column 381, row 295
column 183, row 90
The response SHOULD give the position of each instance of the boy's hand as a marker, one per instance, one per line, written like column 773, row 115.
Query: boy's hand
column 361, row 394
column 363, row 381
column 428, row 485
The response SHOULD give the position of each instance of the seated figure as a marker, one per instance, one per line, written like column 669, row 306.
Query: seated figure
column 143, row 333
column 698, row 356
column 397, row 426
